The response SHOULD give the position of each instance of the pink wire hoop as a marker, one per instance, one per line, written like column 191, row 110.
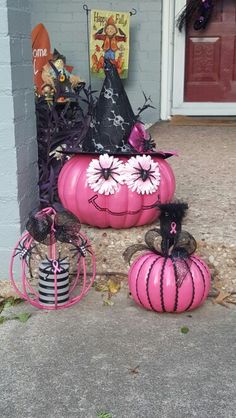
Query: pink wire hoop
column 29, row 293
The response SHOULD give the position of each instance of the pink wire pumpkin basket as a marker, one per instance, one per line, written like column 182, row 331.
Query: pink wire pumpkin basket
column 55, row 284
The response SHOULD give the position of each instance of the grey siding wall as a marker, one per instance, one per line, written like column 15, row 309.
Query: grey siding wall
column 66, row 24
column 18, row 148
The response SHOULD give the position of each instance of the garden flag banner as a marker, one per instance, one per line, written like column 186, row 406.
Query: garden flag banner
column 40, row 52
column 109, row 40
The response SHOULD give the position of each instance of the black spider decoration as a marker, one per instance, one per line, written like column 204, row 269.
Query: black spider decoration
column 24, row 252
column 144, row 174
column 58, row 265
column 106, row 172
column 81, row 248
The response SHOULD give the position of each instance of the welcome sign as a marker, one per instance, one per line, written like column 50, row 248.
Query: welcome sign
column 40, row 52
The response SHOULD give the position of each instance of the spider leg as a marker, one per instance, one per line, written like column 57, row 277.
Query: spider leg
column 141, row 168
column 98, row 169
column 151, row 180
column 101, row 176
column 114, row 172
column 18, row 251
column 137, row 174
column 111, row 165
column 113, row 178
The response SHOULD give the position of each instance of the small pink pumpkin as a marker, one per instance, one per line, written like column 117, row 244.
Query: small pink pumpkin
column 154, row 285
column 125, row 207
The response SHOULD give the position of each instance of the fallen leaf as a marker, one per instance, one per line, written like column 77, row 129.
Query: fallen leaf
column 231, row 300
column 101, row 287
column 113, row 286
column 184, row 330
column 221, row 298
column 9, row 301
column 134, row 370
column 23, row 316
column 108, row 302
column 104, row 415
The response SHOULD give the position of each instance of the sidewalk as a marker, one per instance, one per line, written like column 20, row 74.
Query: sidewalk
column 121, row 359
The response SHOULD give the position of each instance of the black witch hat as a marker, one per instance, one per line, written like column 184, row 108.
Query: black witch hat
column 114, row 128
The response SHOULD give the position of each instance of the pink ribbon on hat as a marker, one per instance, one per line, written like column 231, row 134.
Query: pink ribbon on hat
column 137, row 135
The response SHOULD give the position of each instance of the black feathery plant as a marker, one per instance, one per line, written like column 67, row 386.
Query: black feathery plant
column 60, row 127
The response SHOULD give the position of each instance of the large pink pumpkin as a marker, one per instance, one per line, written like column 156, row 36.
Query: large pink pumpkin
column 153, row 284
column 123, row 209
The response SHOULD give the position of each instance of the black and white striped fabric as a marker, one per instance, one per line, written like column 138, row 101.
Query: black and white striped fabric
column 46, row 281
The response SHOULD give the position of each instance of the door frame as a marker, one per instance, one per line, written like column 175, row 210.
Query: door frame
column 173, row 68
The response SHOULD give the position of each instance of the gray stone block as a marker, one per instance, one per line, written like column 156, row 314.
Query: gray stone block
column 3, row 21
column 9, row 235
column 7, row 135
column 4, row 48
column 19, row 22
column 9, row 210
column 6, row 106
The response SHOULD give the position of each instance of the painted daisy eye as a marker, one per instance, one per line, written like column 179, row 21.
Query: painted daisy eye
column 142, row 174
column 105, row 174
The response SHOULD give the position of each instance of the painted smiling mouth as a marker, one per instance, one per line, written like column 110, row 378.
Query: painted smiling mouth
column 93, row 199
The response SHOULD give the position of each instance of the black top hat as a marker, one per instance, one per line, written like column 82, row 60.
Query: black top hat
column 114, row 128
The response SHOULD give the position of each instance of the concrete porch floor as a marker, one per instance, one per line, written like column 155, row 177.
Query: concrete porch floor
column 121, row 358
column 205, row 174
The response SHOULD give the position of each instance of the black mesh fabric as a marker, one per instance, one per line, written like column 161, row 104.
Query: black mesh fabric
column 39, row 226
column 46, row 229
column 67, row 227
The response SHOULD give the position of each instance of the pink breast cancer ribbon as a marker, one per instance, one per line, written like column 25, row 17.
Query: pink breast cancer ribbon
column 56, row 267
column 173, row 228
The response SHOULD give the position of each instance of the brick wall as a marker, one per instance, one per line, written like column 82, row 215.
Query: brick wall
column 66, row 23
column 18, row 147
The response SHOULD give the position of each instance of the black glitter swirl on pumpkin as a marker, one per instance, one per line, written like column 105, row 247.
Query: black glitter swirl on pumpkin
column 176, row 287
column 137, row 293
column 147, row 282
column 202, row 274
column 193, row 292
column 161, row 285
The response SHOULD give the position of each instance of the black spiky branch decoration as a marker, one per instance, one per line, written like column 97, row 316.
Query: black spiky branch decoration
column 197, row 11
column 147, row 104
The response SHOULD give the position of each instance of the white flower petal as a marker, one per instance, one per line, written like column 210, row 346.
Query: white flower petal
column 95, row 174
column 132, row 174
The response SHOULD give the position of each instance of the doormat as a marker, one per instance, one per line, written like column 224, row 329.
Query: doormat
column 203, row 120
